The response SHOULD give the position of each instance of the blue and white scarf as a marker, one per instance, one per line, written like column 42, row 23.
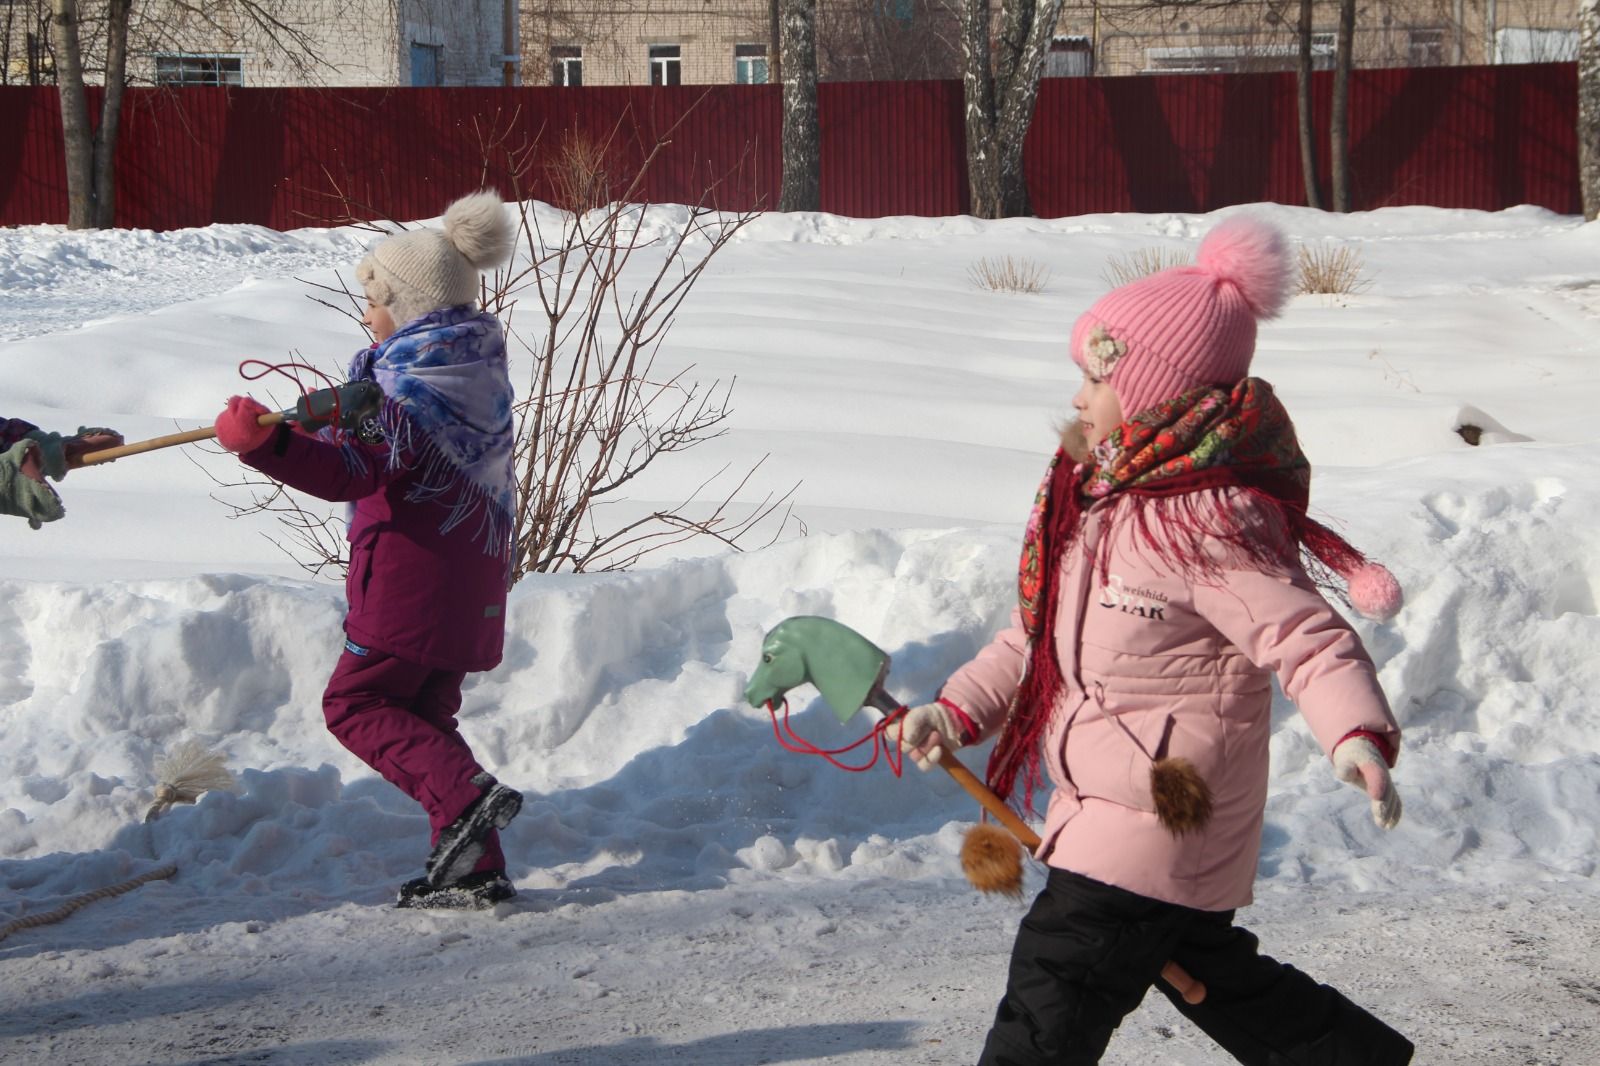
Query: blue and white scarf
column 444, row 376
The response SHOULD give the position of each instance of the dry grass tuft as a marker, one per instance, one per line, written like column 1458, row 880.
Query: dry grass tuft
column 1009, row 275
column 1332, row 269
column 1121, row 269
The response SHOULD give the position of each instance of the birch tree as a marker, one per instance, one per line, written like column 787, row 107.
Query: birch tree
column 1001, row 83
column 1589, row 106
column 90, row 147
column 797, row 59
column 1304, row 99
column 1339, row 120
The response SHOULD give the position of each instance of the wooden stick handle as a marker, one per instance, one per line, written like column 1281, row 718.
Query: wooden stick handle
column 109, row 455
column 985, row 796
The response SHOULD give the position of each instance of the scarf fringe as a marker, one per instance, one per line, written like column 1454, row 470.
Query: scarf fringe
column 438, row 479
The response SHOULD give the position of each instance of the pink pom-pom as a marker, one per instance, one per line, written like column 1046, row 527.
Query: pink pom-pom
column 1375, row 592
column 1253, row 257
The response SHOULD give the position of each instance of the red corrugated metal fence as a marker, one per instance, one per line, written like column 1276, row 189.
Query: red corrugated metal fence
column 1472, row 137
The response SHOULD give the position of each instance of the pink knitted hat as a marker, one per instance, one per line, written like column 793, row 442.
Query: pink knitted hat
column 1167, row 333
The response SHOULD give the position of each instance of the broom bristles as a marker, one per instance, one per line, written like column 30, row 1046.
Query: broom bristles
column 992, row 860
column 189, row 770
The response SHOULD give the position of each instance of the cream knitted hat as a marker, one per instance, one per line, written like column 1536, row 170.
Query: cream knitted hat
column 422, row 270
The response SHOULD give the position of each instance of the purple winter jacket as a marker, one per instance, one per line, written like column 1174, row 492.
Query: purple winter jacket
column 437, row 599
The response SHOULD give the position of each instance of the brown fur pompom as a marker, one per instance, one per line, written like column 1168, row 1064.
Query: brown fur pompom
column 992, row 860
column 1183, row 799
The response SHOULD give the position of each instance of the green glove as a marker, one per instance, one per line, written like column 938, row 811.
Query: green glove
column 20, row 494
column 52, row 452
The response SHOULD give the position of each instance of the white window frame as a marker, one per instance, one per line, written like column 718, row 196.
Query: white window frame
column 188, row 79
column 564, row 59
column 666, row 69
column 1228, row 58
column 1534, row 44
column 1427, row 46
column 746, row 65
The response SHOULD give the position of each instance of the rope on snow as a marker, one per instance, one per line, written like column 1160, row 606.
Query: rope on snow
column 183, row 776
column 46, row 917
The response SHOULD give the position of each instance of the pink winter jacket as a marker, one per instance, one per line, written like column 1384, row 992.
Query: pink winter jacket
column 1156, row 663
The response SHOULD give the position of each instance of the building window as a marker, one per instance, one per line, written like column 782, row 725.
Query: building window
column 1236, row 58
column 566, row 65
column 1524, row 45
column 1425, row 47
column 1069, row 57
column 666, row 64
column 185, row 70
column 427, row 65
column 750, row 64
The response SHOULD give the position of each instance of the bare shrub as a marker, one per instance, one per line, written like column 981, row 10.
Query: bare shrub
column 1140, row 263
column 586, row 305
column 581, row 171
column 1332, row 269
column 1008, row 274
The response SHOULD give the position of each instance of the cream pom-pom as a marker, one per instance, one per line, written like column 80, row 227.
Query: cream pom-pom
column 480, row 228
column 1253, row 257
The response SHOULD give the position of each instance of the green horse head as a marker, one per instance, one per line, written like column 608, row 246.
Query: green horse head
column 843, row 665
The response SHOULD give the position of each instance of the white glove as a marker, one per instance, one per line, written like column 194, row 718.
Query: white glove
column 926, row 733
column 1358, row 761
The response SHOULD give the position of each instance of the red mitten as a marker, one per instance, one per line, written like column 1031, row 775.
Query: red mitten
column 237, row 426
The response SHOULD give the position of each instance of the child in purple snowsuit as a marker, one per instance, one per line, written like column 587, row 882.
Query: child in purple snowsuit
column 28, row 453
column 431, row 482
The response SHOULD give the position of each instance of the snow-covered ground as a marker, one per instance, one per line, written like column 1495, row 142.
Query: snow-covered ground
column 689, row 891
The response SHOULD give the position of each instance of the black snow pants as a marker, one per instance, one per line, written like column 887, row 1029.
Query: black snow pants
column 1087, row 952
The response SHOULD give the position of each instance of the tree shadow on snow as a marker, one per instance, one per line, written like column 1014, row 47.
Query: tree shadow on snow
column 315, row 1053
column 119, row 1006
column 788, row 1044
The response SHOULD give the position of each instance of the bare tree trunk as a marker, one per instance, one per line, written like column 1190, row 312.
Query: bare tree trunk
column 1308, row 119
column 983, row 170
column 105, row 138
column 1000, row 107
column 1339, row 125
column 774, row 45
column 802, row 157
column 75, row 131
column 1589, row 106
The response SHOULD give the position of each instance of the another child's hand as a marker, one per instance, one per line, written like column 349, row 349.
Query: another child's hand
column 928, row 731
column 88, row 440
column 32, row 465
column 238, row 426
column 1357, row 761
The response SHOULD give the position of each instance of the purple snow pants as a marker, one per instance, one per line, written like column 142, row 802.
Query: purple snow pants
column 400, row 719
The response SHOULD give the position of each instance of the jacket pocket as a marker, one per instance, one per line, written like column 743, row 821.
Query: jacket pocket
column 1105, row 752
column 359, row 577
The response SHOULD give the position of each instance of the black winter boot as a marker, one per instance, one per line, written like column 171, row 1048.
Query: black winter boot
column 460, row 843
column 478, row 891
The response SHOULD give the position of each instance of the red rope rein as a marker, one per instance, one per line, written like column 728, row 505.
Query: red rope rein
column 290, row 370
column 789, row 740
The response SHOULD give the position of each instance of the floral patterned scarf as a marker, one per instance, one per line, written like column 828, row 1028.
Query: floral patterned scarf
column 1160, row 461
column 447, row 402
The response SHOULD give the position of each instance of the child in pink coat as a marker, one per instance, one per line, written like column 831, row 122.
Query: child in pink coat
column 1163, row 583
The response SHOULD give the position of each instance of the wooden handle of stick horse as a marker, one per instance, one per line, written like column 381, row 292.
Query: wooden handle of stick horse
column 108, row 455
column 1191, row 990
